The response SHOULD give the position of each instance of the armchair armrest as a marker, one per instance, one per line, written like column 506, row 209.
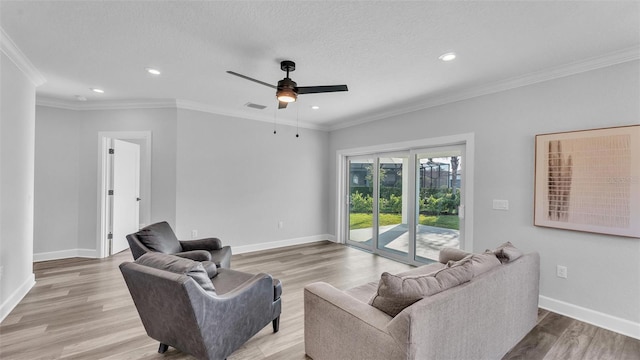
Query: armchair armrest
column 196, row 255
column 201, row 244
column 242, row 311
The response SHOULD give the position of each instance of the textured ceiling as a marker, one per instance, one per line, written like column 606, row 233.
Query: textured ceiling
column 385, row 51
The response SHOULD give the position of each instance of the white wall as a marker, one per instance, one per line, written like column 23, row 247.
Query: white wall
column 17, row 123
column 237, row 181
column 604, row 271
column 56, row 181
column 67, row 164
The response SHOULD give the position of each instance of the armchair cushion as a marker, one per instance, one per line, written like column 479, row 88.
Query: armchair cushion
column 178, row 265
column 159, row 237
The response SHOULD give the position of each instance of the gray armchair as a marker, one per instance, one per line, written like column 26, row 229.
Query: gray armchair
column 209, row 318
column 160, row 237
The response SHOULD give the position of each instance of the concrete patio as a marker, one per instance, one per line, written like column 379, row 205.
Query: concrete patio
column 395, row 238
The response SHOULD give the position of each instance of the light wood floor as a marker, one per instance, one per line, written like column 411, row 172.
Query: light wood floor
column 81, row 309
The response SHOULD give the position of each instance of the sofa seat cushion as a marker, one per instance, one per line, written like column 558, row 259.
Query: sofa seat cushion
column 178, row 265
column 159, row 237
column 397, row 292
column 363, row 292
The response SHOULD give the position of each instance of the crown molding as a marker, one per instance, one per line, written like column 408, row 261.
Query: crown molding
column 105, row 105
column 192, row 105
column 9, row 48
column 577, row 67
column 160, row 104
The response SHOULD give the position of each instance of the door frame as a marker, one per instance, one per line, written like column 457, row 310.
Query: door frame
column 104, row 175
column 342, row 195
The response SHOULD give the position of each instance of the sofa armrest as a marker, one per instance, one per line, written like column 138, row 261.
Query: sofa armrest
column 337, row 325
column 196, row 255
column 201, row 244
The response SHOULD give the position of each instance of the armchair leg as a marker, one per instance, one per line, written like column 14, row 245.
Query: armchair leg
column 163, row 348
column 276, row 324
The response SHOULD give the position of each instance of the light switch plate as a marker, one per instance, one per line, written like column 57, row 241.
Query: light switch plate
column 501, row 204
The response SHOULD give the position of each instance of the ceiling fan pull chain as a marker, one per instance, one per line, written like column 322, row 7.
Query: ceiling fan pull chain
column 298, row 120
column 275, row 115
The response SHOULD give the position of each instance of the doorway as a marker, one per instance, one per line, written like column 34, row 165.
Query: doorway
column 408, row 204
column 124, row 191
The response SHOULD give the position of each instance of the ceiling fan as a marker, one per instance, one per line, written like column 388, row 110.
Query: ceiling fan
column 288, row 90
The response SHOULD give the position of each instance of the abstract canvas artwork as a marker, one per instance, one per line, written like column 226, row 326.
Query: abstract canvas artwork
column 589, row 181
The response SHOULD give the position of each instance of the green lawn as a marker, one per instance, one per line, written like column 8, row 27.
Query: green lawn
column 360, row 220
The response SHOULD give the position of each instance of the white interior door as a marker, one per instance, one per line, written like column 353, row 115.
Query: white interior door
column 126, row 193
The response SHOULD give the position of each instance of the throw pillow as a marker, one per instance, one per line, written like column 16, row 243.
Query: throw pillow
column 452, row 254
column 178, row 265
column 507, row 252
column 159, row 237
column 396, row 293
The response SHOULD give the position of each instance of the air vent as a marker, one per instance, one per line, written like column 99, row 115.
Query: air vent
column 255, row 106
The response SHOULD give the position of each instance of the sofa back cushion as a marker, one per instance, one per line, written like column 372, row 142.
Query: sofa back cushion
column 451, row 254
column 159, row 237
column 178, row 265
column 397, row 292
column 480, row 263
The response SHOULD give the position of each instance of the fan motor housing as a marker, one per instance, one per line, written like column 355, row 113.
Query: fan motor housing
column 287, row 65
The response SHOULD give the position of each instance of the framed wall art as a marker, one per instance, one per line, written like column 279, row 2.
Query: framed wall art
column 589, row 180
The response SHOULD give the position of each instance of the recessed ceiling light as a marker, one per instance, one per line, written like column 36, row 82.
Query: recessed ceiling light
column 99, row 91
column 152, row 71
column 448, row 56
column 315, row 107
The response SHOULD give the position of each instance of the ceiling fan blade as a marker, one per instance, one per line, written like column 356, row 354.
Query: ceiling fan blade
column 320, row 89
column 282, row 105
column 252, row 79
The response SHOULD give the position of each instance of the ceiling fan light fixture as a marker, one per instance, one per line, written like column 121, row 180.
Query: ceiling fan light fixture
column 286, row 95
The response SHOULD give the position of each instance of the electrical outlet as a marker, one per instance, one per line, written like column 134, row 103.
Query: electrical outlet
column 280, row 224
column 561, row 271
column 194, row 234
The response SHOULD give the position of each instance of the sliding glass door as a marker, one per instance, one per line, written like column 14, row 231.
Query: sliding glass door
column 360, row 186
column 406, row 205
column 439, row 199
column 393, row 203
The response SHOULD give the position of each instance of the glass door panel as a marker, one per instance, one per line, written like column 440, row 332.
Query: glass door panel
column 438, row 197
column 393, row 204
column 361, row 210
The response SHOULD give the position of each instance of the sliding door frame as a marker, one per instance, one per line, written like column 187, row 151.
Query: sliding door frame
column 342, row 186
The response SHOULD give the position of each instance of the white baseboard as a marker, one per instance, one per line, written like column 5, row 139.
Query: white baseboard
column 15, row 298
column 65, row 254
column 605, row 321
column 281, row 243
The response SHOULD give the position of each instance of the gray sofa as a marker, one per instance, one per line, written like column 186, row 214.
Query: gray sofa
column 481, row 318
